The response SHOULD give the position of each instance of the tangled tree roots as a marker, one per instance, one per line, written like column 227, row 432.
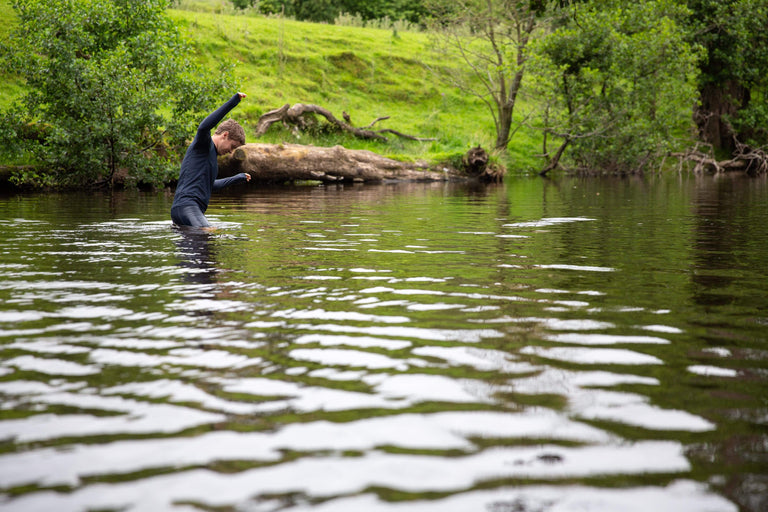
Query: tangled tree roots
column 752, row 161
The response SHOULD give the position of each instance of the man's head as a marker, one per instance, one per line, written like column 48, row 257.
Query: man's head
column 228, row 136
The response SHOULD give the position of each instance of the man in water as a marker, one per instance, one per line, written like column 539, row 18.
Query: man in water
column 199, row 168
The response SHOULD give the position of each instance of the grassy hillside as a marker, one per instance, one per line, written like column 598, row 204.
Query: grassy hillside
column 366, row 72
column 11, row 86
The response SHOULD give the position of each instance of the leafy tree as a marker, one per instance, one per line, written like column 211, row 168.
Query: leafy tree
column 733, row 86
column 110, row 89
column 491, row 37
column 302, row 10
column 328, row 10
column 413, row 11
column 618, row 83
column 242, row 4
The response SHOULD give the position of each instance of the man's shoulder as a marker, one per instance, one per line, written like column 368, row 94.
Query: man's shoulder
column 202, row 141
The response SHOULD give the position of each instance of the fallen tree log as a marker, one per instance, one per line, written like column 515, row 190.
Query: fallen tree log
column 280, row 163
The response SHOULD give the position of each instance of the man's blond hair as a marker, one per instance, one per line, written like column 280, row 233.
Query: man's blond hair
column 234, row 129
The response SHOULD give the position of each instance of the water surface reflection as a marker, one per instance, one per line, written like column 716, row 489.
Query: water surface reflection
column 533, row 346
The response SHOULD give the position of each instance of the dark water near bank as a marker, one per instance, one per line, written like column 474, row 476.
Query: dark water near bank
column 540, row 346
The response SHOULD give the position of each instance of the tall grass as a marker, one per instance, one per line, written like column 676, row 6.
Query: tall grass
column 12, row 86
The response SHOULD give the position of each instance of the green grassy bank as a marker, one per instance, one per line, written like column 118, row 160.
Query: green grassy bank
column 366, row 72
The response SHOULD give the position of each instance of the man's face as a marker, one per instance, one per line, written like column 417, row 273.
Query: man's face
column 225, row 144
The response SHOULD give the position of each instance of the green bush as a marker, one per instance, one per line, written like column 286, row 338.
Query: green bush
column 112, row 83
column 619, row 83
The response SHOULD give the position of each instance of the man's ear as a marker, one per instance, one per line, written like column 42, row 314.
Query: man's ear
column 224, row 135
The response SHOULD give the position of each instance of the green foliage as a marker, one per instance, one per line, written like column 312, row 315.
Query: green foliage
column 619, row 82
column 328, row 10
column 111, row 83
column 490, row 39
column 734, row 34
column 751, row 122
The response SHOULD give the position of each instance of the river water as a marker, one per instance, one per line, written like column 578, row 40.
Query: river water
column 590, row 345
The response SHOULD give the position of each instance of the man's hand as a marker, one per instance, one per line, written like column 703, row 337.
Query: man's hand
column 241, row 94
column 247, row 177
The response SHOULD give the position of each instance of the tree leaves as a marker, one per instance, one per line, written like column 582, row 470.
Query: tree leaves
column 105, row 76
column 619, row 82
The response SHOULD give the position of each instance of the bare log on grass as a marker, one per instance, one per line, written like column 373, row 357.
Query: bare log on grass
column 281, row 163
column 300, row 117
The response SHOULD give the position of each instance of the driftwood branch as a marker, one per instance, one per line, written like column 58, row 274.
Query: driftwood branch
column 295, row 116
column 383, row 118
column 271, row 117
column 403, row 135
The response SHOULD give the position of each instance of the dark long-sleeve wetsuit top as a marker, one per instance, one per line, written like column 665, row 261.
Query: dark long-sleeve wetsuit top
column 200, row 168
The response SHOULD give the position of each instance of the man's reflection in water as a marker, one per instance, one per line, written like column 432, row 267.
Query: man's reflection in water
column 197, row 257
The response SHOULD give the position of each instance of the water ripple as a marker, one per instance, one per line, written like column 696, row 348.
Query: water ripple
column 358, row 348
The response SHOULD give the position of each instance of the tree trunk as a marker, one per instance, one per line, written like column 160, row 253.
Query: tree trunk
column 505, row 125
column 555, row 161
column 280, row 163
column 718, row 102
